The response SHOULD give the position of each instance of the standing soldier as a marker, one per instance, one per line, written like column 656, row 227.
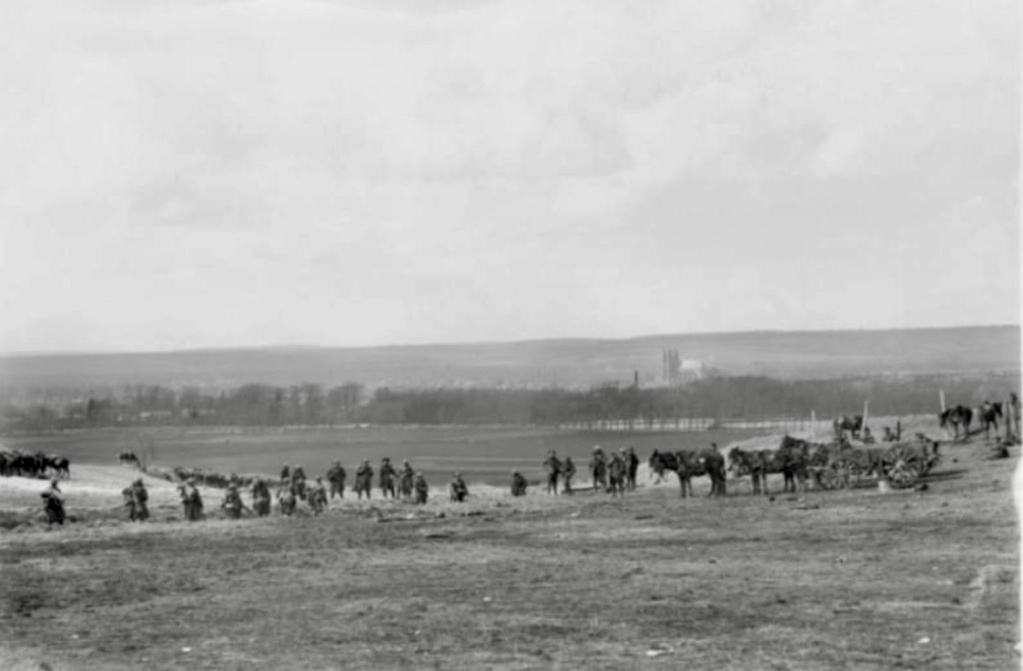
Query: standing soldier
column 261, row 497
column 336, row 477
column 387, row 474
column 233, row 502
column 518, row 487
column 459, row 490
column 363, row 479
column 142, row 500
column 598, row 469
column 422, row 489
column 298, row 481
column 136, row 498
column 285, row 474
column 318, row 497
column 53, row 504
column 406, row 479
column 186, row 501
column 616, row 471
column 632, row 466
column 553, row 466
column 128, row 494
column 1012, row 420
column 569, row 472
column 196, row 511
column 286, row 501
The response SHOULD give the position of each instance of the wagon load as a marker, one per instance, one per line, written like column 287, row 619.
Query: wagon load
column 841, row 465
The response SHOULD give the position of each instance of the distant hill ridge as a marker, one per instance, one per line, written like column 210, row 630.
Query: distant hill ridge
column 560, row 362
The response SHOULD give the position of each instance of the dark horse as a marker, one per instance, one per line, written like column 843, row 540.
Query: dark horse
column 791, row 459
column 957, row 416
column 852, row 424
column 988, row 414
column 688, row 464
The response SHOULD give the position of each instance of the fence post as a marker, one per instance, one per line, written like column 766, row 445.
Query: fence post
column 866, row 408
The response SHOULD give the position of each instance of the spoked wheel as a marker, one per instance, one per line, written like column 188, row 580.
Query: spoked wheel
column 903, row 474
column 837, row 476
column 855, row 473
column 903, row 467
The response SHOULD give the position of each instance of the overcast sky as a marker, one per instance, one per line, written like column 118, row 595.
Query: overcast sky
column 205, row 173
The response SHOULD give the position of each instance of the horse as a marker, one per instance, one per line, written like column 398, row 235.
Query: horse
column 61, row 466
column 957, row 416
column 851, row 424
column 791, row 459
column 988, row 414
column 688, row 464
column 128, row 457
column 753, row 463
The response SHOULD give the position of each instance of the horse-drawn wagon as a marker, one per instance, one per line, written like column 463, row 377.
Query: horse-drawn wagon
column 842, row 465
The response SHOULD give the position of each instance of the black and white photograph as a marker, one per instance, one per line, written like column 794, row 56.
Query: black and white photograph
column 515, row 335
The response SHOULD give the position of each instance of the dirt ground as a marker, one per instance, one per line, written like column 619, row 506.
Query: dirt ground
column 859, row 579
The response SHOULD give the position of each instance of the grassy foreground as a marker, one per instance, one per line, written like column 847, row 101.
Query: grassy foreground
column 838, row 580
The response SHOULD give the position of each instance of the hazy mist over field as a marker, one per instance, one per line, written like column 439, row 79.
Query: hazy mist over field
column 213, row 174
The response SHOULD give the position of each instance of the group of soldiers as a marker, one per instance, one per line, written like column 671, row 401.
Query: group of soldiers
column 136, row 499
column 410, row 483
column 293, row 486
column 612, row 474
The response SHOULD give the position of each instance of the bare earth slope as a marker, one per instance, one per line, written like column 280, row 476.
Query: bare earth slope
column 839, row 580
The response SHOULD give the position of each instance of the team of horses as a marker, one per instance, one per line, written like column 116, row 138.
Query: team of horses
column 689, row 464
column 34, row 465
column 798, row 462
column 958, row 419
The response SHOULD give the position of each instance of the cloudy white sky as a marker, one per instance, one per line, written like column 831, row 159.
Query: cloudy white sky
column 207, row 173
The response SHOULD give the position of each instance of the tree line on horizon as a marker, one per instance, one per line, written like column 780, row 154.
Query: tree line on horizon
column 310, row 404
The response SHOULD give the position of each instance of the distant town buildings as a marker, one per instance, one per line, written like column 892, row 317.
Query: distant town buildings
column 681, row 371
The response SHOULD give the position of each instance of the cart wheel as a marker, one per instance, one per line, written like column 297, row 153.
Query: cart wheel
column 903, row 474
column 852, row 478
column 830, row 478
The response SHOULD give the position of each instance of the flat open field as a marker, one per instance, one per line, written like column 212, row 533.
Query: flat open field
column 482, row 454
column 856, row 579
